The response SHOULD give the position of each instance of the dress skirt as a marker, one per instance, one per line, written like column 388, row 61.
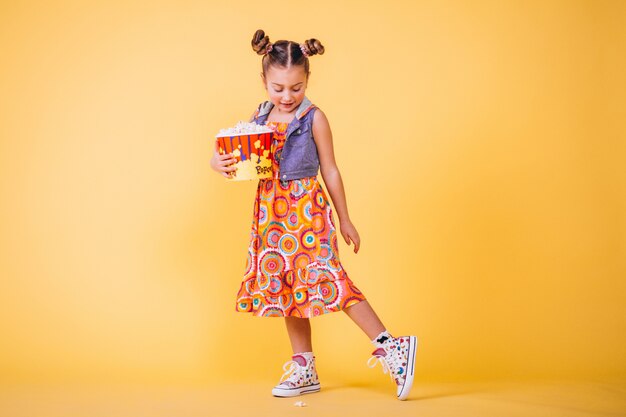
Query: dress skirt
column 292, row 266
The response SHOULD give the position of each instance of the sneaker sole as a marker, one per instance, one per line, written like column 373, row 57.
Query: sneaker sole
column 294, row 392
column 410, row 369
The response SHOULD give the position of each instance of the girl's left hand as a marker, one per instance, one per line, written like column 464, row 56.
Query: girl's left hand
column 349, row 233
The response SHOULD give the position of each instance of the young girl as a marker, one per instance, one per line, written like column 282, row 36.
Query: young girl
column 293, row 268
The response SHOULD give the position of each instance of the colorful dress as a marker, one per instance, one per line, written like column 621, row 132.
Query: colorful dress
column 293, row 266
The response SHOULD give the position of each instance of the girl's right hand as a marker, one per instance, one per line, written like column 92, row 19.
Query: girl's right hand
column 223, row 163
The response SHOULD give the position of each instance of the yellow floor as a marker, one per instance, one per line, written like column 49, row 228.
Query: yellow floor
column 503, row 399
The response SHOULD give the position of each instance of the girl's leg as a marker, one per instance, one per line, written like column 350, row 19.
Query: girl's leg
column 400, row 363
column 364, row 316
column 299, row 334
column 300, row 376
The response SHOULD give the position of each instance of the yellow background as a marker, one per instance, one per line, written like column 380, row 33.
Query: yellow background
column 482, row 145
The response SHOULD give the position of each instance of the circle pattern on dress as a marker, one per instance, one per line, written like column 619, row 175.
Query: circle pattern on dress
column 329, row 292
column 325, row 253
column 262, row 213
column 319, row 199
column 288, row 244
column 263, row 281
column 301, row 260
column 275, row 286
column 300, row 295
column 272, row 234
column 317, row 221
column 317, row 308
column 293, row 222
column 281, row 206
column 297, row 191
column 304, row 210
column 308, row 240
column 271, row 263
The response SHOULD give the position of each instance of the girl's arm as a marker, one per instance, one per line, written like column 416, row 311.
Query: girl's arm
column 332, row 178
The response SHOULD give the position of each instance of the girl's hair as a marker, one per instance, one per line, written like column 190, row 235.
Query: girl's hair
column 283, row 53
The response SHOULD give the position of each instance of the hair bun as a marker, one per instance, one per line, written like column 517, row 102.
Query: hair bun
column 313, row 47
column 260, row 41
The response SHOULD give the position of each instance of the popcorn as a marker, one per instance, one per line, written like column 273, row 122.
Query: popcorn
column 300, row 404
column 244, row 128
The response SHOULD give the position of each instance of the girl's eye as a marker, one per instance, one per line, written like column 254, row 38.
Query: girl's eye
column 297, row 90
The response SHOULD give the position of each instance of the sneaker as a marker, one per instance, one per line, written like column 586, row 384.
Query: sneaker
column 300, row 377
column 397, row 356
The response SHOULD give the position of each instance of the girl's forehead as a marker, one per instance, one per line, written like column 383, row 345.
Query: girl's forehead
column 285, row 76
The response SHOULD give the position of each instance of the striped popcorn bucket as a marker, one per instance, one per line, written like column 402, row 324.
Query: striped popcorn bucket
column 252, row 152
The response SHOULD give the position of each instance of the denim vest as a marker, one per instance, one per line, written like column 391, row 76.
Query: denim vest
column 299, row 157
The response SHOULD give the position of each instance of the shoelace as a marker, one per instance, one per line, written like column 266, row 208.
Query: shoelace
column 383, row 363
column 291, row 370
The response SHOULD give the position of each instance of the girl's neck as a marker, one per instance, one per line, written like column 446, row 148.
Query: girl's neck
column 281, row 116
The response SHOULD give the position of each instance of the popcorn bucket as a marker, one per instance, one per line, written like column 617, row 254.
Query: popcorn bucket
column 252, row 152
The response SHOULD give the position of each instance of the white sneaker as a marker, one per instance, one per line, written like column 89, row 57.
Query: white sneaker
column 300, row 377
column 397, row 356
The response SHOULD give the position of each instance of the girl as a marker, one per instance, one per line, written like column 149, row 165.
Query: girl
column 293, row 268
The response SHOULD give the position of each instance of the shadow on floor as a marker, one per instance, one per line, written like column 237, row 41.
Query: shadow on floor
column 416, row 394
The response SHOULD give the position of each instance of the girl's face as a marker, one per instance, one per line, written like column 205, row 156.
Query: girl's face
column 285, row 87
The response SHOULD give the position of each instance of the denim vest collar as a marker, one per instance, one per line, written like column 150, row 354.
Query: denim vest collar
column 265, row 108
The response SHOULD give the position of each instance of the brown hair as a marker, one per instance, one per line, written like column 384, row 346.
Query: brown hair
column 283, row 53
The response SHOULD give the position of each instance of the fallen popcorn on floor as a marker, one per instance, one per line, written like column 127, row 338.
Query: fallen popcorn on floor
column 300, row 404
